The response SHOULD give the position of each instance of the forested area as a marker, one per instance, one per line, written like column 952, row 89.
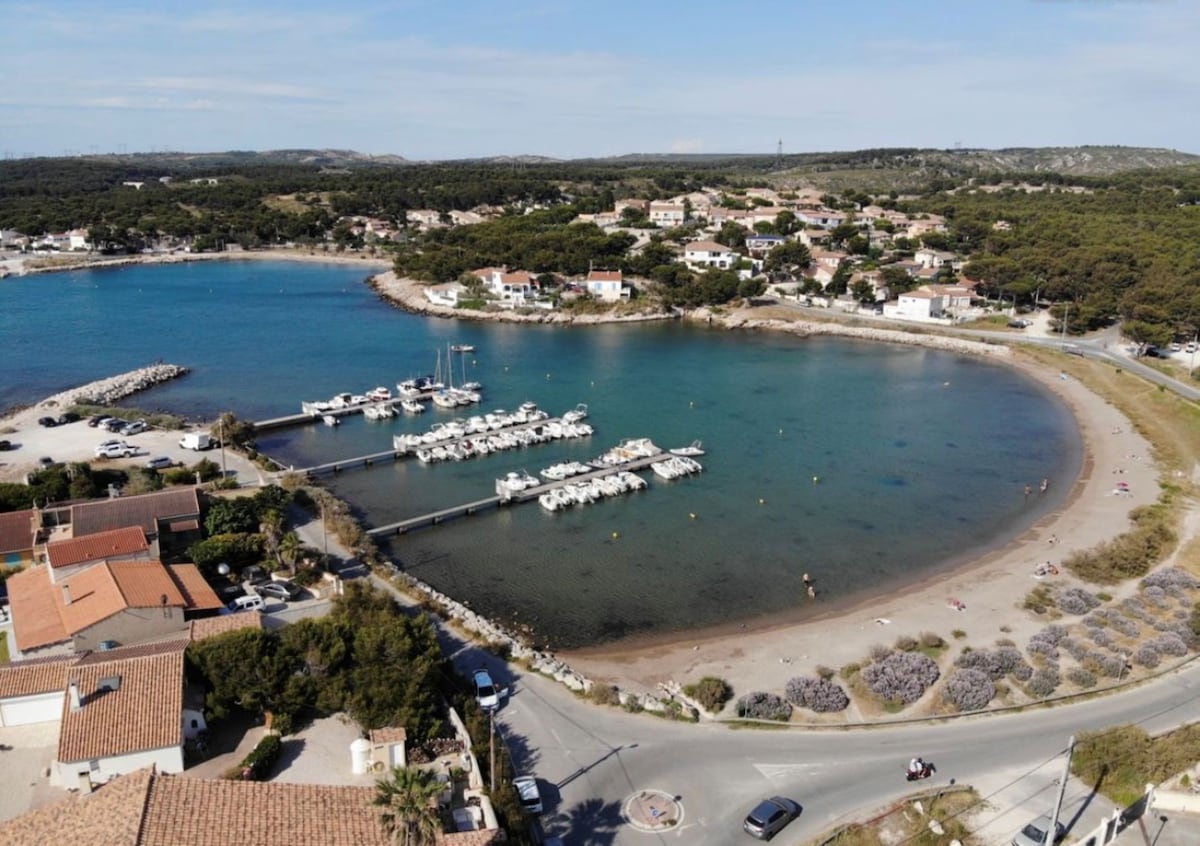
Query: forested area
column 1124, row 245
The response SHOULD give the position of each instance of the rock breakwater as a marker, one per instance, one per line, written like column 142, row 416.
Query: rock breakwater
column 109, row 390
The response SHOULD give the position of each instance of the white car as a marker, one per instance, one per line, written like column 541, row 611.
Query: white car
column 486, row 693
column 118, row 449
column 531, row 798
column 134, row 428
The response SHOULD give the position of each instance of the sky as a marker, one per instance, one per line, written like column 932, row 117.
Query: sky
column 449, row 79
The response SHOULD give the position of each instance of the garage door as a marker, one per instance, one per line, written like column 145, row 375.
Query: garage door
column 25, row 710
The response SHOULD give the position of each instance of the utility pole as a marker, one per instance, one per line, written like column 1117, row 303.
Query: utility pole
column 221, row 435
column 1062, row 789
column 1066, row 312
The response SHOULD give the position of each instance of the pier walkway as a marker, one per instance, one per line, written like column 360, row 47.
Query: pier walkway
column 433, row 518
column 315, row 416
column 398, row 452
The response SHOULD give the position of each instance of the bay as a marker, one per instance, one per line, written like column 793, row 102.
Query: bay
column 867, row 466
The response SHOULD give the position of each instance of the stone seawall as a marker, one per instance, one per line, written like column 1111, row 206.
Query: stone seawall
column 108, row 391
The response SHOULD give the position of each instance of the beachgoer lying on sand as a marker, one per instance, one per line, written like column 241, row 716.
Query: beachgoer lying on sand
column 956, row 604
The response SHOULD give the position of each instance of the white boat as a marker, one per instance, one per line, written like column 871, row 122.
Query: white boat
column 380, row 394
column 576, row 414
column 514, row 483
column 462, row 348
column 330, row 420
column 375, row 412
column 444, row 399
column 695, row 448
column 411, row 406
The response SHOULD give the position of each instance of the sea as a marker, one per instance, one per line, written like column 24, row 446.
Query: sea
column 867, row 466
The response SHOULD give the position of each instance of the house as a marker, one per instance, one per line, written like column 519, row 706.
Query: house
column 718, row 216
column 169, row 518
column 126, row 601
column 917, row 305
column 829, row 258
column 447, row 294
column 955, row 298
column 116, row 711
column 642, row 207
column 928, row 257
column 152, row 808
column 812, row 237
column 11, row 238
column 822, row 217
column 925, row 225
column 760, row 245
column 18, row 537
column 709, row 254
column 667, row 214
column 607, row 285
column 511, row 289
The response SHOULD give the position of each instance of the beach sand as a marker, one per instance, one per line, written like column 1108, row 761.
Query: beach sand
column 989, row 590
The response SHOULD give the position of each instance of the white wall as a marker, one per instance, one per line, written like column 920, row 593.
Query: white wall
column 27, row 710
column 167, row 760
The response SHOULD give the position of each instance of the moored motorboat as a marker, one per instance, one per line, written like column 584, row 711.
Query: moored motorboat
column 462, row 348
column 411, row 406
column 695, row 448
column 380, row 394
column 330, row 420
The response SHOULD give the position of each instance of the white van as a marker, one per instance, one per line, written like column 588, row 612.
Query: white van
column 249, row 602
column 196, row 441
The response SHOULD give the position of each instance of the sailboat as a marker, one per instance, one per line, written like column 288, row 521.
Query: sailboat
column 445, row 397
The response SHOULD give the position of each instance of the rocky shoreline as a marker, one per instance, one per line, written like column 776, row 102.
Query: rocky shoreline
column 109, row 390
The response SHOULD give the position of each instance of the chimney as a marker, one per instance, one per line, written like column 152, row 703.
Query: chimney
column 73, row 695
column 66, row 594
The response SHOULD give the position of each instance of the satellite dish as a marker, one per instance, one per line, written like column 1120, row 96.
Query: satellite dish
column 223, row 569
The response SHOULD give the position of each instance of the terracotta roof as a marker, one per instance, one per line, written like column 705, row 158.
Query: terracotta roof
column 920, row 295
column 111, row 816
column 175, row 643
column 391, row 734
column 38, row 675
column 213, row 626
column 16, row 531
column 145, row 510
column 706, row 247
column 604, row 276
column 517, row 277
column 146, row 808
column 129, row 540
column 144, row 711
column 42, row 614
column 35, row 617
column 197, row 594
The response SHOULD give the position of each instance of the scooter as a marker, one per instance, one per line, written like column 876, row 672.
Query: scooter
column 927, row 769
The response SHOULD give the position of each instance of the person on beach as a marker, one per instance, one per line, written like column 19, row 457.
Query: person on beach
column 812, row 592
column 1045, row 485
column 1028, row 491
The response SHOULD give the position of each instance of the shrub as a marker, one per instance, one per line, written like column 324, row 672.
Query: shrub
column 1104, row 664
column 958, row 634
column 879, row 652
column 1080, row 677
column 929, row 640
column 901, row 675
column 905, row 643
column 824, row 672
column 764, row 706
column 711, row 692
column 1077, row 649
column 969, row 690
column 1170, row 643
column 258, row 764
column 1077, row 601
column 1043, row 682
column 605, row 694
column 849, row 671
column 820, row 695
column 1172, row 580
column 1147, row 656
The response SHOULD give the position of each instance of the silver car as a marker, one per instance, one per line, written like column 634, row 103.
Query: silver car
column 1035, row 834
column 769, row 817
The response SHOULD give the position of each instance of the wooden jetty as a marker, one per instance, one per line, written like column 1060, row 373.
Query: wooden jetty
column 433, row 518
column 315, row 417
column 360, row 462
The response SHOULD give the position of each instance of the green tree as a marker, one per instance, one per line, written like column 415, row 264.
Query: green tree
column 897, row 280
column 239, row 515
column 409, row 813
column 230, row 430
column 791, row 258
column 841, row 279
column 863, row 291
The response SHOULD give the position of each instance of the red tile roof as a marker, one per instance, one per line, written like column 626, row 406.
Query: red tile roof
column 197, row 594
column 35, row 617
column 37, row 675
column 604, row 276
column 706, row 247
column 391, row 734
column 145, row 711
column 118, row 543
column 213, row 626
column 151, row 809
column 16, row 531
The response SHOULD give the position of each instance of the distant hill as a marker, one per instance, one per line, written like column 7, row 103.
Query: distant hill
column 1069, row 161
column 234, row 158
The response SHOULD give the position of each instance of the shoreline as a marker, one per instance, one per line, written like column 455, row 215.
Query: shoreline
column 94, row 262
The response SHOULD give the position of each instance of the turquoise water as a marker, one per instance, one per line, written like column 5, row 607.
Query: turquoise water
column 921, row 456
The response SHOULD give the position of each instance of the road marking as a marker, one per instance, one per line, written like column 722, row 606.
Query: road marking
column 774, row 771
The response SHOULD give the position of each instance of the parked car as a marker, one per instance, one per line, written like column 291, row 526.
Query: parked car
column 769, row 817
column 120, row 449
column 485, row 690
column 5, row 446
column 255, row 575
column 285, row 590
column 160, row 462
column 45, row 461
column 47, row 422
column 531, row 797
column 96, row 419
column 67, row 417
column 134, row 428
column 1035, row 834
column 113, row 424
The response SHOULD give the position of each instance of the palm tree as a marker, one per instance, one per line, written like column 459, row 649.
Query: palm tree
column 289, row 548
column 408, row 797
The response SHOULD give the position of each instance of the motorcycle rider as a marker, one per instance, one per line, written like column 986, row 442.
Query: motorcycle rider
column 916, row 767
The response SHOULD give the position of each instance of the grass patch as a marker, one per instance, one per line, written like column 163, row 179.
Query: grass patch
column 156, row 419
column 1123, row 760
column 1039, row 600
column 904, row 825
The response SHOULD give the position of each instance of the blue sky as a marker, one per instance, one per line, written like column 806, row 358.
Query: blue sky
column 443, row 79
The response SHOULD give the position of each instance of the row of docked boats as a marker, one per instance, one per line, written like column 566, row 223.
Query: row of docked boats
column 476, row 446
column 480, row 424
column 346, row 401
column 587, row 492
column 676, row 467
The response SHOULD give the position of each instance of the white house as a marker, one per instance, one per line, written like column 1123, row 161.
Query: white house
column 512, row 290
column 928, row 257
column 607, row 285
column 444, row 295
column 916, row 305
column 825, row 218
column 667, row 214
column 709, row 254
column 762, row 244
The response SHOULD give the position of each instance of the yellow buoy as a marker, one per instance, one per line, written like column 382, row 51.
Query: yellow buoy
column 616, row 534
column 692, row 516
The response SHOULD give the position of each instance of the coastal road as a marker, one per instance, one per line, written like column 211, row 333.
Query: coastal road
column 593, row 760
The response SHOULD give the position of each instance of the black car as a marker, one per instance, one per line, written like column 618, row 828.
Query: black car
column 96, row 419
column 5, row 446
column 47, row 422
column 68, row 417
